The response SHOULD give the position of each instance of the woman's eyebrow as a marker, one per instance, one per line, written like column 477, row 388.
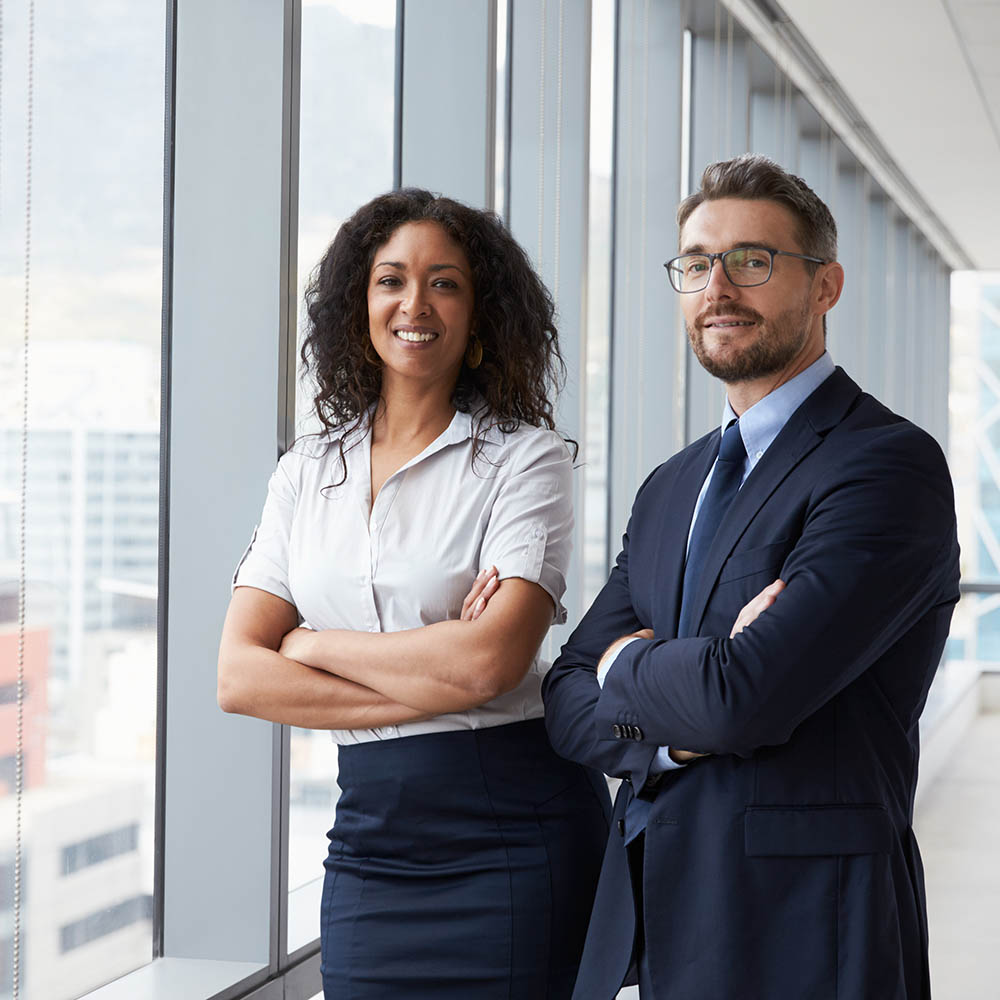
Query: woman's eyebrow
column 399, row 265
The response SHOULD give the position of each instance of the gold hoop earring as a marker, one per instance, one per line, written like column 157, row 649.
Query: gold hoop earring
column 474, row 352
column 371, row 355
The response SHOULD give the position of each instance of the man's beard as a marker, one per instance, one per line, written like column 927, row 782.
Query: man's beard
column 776, row 346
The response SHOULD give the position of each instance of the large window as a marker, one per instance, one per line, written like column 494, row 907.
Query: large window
column 345, row 158
column 975, row 463
column 80, row 268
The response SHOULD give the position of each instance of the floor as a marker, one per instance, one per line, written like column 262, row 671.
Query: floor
column 958, row 829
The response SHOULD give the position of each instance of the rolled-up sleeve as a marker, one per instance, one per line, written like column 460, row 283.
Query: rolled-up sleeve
column 264, row 564
column 530, row 530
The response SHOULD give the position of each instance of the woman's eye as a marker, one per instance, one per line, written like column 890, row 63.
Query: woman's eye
column 444, row 283
column 389, row 281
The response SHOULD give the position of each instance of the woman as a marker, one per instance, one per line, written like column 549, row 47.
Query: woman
column 465, row 853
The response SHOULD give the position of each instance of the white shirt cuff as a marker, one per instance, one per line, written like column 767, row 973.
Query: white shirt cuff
column 604, row 669
column 663, row 762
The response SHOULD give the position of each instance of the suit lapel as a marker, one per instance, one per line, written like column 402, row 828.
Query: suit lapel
column 805, row 429
column 677, row 523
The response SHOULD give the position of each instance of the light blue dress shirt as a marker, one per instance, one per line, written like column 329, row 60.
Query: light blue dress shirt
column 759, row 426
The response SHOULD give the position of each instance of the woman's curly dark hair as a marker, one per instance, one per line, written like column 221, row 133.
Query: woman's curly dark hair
column 513, row 317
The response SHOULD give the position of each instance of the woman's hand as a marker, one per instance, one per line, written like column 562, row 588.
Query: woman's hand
column 295, row 644
column 483, row 588
column 759, row 604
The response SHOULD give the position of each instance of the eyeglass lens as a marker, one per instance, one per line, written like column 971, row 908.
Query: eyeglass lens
column 743, row 266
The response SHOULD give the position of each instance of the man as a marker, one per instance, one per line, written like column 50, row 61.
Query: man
column 755, row 666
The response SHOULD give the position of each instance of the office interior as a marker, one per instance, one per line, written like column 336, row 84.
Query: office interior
column 169, row 175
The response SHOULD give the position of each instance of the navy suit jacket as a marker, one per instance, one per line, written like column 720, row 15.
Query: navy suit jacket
column 783, row 866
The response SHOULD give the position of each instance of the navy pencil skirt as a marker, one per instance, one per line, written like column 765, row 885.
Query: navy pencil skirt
column 461, row 865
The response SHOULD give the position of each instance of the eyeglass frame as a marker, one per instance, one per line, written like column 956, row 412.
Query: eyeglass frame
column 721, row 258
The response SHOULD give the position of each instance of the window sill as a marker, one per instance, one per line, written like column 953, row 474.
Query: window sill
column 177, row 979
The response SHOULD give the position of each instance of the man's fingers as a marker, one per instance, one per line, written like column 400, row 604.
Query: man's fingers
column 753, row 609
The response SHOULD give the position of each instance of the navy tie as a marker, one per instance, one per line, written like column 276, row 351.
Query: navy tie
column 722, row 490
column 726, row 481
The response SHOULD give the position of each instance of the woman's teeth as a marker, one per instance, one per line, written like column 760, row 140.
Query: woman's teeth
column 414, row 337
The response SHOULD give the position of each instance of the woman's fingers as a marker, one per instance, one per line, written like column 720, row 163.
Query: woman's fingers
column 473, row 595
column 483, row 587
column 488, row 591
column 754, row 608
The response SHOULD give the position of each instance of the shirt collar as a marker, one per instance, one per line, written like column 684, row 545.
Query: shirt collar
column 460, row 429
column 763, row 421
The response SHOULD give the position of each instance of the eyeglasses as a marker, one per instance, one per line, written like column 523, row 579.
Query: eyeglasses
column 744, row 266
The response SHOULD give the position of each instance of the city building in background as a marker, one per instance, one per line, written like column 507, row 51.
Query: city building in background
column 80, row 386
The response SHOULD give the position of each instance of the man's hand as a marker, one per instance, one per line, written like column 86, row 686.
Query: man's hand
column 483, row 588
column 759, row 604
column 612, row 650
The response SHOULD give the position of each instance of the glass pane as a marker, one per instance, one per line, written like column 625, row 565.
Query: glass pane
column 974, row 449
column 974, row 459
column 345, row 158
column 598, row 359
column 91, row 488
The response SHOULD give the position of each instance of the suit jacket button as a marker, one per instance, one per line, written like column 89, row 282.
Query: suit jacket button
column 617, row 730
column 636, row 733
column 621, row 827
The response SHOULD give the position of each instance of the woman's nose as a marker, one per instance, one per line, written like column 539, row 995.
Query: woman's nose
column 415, row 302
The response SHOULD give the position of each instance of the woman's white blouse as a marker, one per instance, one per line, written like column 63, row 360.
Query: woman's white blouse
column 410, row 559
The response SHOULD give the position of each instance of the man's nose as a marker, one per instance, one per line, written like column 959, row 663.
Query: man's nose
column 719, row 286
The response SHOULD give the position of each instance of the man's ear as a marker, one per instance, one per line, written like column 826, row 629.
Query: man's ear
column 827, row 286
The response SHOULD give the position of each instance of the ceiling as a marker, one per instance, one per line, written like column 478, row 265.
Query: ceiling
column 925, row 75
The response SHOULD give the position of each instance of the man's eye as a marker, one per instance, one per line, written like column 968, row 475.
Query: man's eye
column 749, row 260
column 696, row 266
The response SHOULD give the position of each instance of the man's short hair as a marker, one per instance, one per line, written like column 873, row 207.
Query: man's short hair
column 753, row 177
